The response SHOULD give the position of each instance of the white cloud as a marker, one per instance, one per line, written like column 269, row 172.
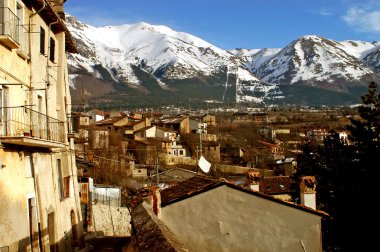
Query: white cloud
column 324, row 12
column 363, row 19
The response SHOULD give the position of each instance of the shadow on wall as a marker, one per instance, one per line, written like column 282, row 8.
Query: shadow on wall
column 41, row 240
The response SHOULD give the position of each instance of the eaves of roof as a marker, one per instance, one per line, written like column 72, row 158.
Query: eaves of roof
column 212, row 184
column 57, row 23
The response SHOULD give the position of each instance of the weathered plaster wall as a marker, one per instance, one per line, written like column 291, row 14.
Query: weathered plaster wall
column 225, row 219
column 14, row 190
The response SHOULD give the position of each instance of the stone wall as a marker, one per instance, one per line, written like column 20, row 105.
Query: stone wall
column 111, row 221
column 230, row 169
column 171, row 159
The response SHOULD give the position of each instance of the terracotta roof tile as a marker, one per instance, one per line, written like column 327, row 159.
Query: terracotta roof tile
column 186, row 188
column 277, row 185
column 151, row 233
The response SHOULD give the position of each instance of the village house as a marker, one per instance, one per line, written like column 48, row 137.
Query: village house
column 214, row 215
column 180, row 124
column 40, row 207
column 317, row 135
column 260, row 117
column 197, row 126
column 274, row 151
column 167, row 136
column 268, row 133
column 280, row 187
column 96, row 115
column 210, row 120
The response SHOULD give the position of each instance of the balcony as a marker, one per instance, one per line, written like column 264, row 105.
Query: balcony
column 9, row 28
column 23, row 126
column 23, row 51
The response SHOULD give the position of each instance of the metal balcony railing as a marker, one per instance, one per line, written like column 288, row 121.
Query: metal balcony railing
column 9, row 24
column 24, row 122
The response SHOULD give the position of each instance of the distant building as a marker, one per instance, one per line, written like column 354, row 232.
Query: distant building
column 210, row 120
column 317, row 134
column 97, row 115
column 267, row 133
column 260, row 117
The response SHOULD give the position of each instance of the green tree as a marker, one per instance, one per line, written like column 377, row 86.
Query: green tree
column 365, row 131
column 347, row 178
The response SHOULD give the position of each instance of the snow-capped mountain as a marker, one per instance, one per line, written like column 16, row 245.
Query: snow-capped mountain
column 318, row 62
column 253, row 59
column 131, row 54
column 155, row 64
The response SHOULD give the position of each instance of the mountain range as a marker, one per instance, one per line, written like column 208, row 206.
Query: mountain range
column 150, row 65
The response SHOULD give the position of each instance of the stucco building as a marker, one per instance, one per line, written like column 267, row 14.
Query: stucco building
column 213, row 215
column 40, row 206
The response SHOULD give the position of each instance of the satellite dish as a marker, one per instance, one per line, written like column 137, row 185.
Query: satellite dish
column 204, row 164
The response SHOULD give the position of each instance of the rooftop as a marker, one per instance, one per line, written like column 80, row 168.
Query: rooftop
column 200, row 184
column 151, row 233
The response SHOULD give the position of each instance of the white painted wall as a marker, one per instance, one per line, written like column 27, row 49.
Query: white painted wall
column 225, row 219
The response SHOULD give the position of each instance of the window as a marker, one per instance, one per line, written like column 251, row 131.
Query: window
column 52, row 49
column 60, row 180
column 20, row 15
column 67, row 186
column 4, row 103
column 42, row 41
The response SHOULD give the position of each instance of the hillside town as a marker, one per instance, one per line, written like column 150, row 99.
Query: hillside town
column 228, row 178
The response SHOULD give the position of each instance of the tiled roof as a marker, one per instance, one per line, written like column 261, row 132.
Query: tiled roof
column 277, row 185
column 268, row 144
column 143, row 129
column 200, row 184
column 110, row 120
column 151, row 233
column 172, row 120
column 186, row 188
column 174, row 175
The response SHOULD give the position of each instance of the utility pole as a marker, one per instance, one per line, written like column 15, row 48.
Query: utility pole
column 201, row 130
column 156, row 162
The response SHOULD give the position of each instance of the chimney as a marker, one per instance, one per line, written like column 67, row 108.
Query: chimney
column 254, row 177
column 154, row 200
column 307, row 191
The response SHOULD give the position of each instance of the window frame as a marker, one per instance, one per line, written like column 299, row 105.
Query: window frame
column 52, row 49
column 42, row 40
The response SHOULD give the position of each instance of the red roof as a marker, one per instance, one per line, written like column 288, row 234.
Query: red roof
column 277, row 185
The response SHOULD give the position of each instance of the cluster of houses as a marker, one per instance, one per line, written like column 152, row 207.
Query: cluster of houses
column 172, row 142
column 53, row 160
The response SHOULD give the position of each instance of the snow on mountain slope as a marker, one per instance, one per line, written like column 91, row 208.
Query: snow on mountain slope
column 253, row 59
column 359, row 49
column 372, row 59
column 117, row 47
column 314, row 60
column 157, row 50
column 155, row 60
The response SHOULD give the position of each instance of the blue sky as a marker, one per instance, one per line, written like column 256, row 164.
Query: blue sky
column 232, row 24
